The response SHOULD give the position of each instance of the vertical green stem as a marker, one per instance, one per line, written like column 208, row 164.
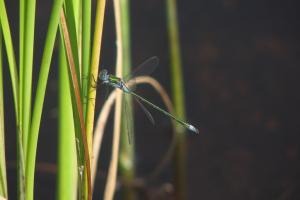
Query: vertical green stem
column 95, row 57
column 39, row 98
column 15, row 86
column 73, row 33
column 21, row 61
column 21, row 140
column 81, row 138
column 178, row 98
column 67, row 171
column 126, row 159
column 85, row 50
column 28, row 65
column 10, row 55
column 3, row 181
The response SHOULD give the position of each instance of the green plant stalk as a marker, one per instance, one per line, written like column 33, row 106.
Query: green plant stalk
column 3, row 180
column 178, row 97
column 77, row 129
column 77, row 15
column 15, row 86
column 21, row 139
column 10, row 55
column 20, row 167
column 21, row 59
column 26, row 85
column 127, row 157
column 71, row 23
column 67, row 170
column 75, row 26
column 85, row 51
column 96, row 50
column 78, row 25
column 39, row 98
column 84, row 157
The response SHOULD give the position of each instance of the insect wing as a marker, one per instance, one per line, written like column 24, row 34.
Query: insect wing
column 146, row 111
column 146, row 68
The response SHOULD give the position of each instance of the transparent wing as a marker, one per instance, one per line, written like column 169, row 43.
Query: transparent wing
column 146, row 68
column 148, row 114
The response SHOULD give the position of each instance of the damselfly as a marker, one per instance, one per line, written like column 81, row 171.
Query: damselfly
column 144, row 69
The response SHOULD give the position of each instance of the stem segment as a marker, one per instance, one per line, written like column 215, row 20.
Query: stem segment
column 178, row 97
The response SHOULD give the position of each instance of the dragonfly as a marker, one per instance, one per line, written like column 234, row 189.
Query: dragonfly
column 146, row 68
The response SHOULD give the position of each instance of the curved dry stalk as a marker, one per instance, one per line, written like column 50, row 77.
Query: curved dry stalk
column 157, row 86
column 113, row 166
column 101, row 123
column 167, row 101
column 99, row 130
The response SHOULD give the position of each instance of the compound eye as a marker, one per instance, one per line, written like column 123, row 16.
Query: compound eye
column 103, row 74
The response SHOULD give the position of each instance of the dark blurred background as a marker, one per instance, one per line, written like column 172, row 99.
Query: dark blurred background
column 241, row 65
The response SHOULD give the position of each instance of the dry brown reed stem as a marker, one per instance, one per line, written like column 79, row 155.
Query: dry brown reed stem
column 101, row 122
column 99, row 130
column 113, row 166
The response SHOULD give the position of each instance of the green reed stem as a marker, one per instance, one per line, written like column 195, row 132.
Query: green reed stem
column 40, row 96
column 10, row 55
column 127, row 156
column 3, row 180
column 85, row 50
column 178, row 98
column 67, row 170
column 93, row 74
column 21, row 60
column 15, row 86
column 71, row 23
column 26, row 85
